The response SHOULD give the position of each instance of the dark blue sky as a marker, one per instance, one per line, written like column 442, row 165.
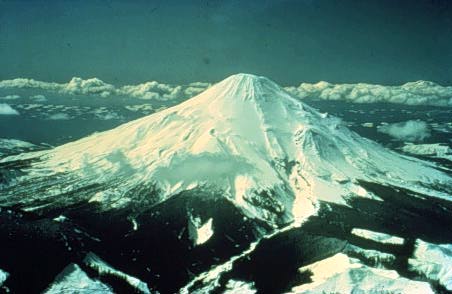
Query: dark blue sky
column 382, row 41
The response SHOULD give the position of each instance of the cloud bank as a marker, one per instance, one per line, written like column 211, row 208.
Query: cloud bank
column 411, row 131
column 5, row 109
column 152, row 90
column 413, row 93
column 10, row 97
column 75, row 86
column 59, row 116
column 38, row 98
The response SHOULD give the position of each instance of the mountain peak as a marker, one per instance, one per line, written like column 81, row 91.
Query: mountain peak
column 242, row 87
column 270, row 154
column 245, row 76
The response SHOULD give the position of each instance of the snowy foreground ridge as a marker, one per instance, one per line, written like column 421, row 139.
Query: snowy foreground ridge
column 342, row 274
column 434, row 261
column 271, row 155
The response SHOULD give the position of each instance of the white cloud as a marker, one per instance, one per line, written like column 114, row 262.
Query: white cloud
column 152, row 90
column 108, row 116
column 92, row 86
column 28, row 83
column 29, row 106
column 104, row 114
column 140, row 107
column 413, row 93
column 411, row 131
column 368, row 125
column 38, row 98
column 5, row 109
column 76, row 86
column 194, row 89
column 59, row 116
column 10, row 97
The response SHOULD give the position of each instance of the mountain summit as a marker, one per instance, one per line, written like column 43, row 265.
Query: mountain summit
column 269, row 154
column 241, row 187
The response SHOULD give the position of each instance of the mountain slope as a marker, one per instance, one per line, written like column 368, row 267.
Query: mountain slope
column 270, row 154
column 238, row 187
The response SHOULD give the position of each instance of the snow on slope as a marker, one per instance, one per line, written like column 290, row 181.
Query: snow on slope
column 378, row 237
column 434, row 261
column 102, row 268
column 239, row 287
column 270, row 154
column 436, row 150
column 371, row 257
column 3, row 276
column 9, row 146
column 342, row 274
column 74, row 280
column 199, row 232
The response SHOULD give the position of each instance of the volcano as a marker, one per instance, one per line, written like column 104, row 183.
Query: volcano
column 241, row 170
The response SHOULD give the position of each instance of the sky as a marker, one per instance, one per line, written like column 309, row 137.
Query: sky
column 340, row 41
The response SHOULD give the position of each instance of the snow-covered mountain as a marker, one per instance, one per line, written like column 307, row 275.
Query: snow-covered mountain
column 242, row 186
column 270, row 154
